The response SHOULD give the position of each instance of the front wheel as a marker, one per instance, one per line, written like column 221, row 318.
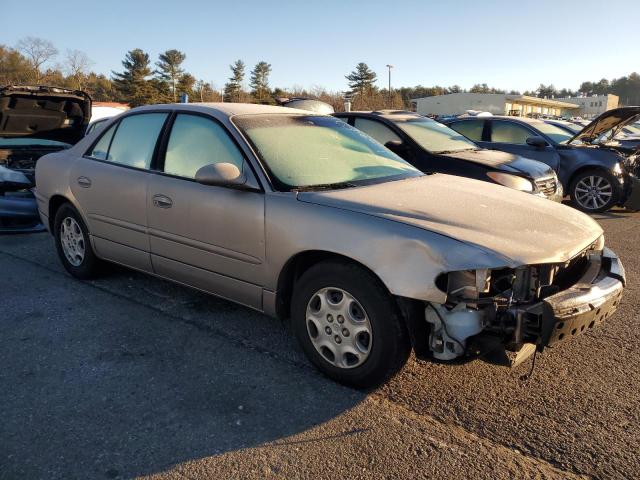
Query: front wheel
column 349, row 325
column 595, row 191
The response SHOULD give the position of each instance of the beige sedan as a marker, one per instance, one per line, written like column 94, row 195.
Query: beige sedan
column 299, row 215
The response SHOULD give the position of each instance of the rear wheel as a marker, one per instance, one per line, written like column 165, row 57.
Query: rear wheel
column 73, row 244
column 348, row 324
column 595, row 191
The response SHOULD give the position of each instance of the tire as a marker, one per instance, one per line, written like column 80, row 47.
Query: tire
column 361, row 304
column 74, row 248
column 594, row 191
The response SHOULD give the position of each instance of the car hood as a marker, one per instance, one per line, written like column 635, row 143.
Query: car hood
column 611, row 119
column 50, row 113
column 504, row 161
column 518, row 227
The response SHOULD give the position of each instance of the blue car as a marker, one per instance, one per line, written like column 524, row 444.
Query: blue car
column 595, row 173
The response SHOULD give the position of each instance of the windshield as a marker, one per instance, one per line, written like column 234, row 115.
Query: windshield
column 31, row 142
column 307, row 151
column 434, row 136
column 557, row 134
column 571, row 126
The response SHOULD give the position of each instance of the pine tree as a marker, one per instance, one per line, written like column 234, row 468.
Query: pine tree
column 133, row 84
column 260, row 81
column 186, row 83
column 233, row 87
column 170, row 70
column 362, row 79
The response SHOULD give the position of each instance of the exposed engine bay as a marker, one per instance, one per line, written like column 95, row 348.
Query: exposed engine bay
column 524, row 309
column 34, row 121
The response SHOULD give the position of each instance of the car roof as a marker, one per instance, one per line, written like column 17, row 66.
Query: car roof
column 386, row 114
column 226, row 109
column 531, row 121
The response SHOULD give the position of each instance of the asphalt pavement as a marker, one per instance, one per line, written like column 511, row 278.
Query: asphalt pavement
column 131, row 376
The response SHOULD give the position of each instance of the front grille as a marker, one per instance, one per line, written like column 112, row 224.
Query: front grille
column 546, row 186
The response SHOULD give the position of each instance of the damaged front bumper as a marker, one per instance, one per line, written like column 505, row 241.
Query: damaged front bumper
column 632, row 200
column 18, row 206
column 588, row 303
column 19, row 213
column 506, row 331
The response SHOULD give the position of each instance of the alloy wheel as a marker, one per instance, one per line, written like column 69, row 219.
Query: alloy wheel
column 593, row 192
column 339, row 328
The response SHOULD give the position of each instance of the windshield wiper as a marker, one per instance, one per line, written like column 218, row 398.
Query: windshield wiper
column 324, row 186
column 446, row 152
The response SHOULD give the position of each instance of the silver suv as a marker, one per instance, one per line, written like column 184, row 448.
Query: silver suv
column 300, row 215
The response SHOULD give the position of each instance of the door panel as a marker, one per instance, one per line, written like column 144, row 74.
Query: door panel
column 546, row 155
column 226, row 287
column 512, row 139
column 209, row 237
column 215, row 229
column 115, row 208
column 110, row 185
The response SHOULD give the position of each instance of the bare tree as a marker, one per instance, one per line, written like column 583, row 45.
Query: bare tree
column 76, row 66
column 38, row 51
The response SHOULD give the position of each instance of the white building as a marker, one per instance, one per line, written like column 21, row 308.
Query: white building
column 496, row 103
column 593, row 106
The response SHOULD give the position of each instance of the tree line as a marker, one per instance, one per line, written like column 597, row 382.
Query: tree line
column 141, row 81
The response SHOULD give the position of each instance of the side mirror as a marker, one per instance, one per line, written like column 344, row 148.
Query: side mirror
column 537, row 142
column 220, row 174
column 396, row 146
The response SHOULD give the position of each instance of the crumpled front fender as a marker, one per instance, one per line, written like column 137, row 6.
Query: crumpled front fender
column 407, row 259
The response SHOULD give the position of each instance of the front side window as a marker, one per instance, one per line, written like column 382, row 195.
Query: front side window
column 134, row 140
column 197, row 141
column 311, row 151
column 472, row 129
column 434, row 136
column 376, row 130
column 507, row 132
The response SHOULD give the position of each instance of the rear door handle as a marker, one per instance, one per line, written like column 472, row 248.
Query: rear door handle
column 162, row 201
column 84, row 182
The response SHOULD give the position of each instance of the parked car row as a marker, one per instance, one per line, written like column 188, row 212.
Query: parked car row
column 306, row 217
column 433, row 147
column 596, row 174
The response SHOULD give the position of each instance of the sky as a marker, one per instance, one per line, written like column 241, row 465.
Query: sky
column 506, row 44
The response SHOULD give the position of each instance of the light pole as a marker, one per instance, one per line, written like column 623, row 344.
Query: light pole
column 389, row 67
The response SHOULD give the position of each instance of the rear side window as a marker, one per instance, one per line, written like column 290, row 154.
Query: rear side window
column 376, row 130
column 507, row 132
column 101, row 149
column 197, row 141
column 472, row 129
column 132, row 142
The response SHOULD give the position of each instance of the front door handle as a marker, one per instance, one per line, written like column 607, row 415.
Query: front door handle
column 162, row 201
column 84, row 182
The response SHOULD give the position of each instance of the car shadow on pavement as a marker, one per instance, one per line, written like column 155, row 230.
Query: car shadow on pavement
column 94, row 385
column 615, row 212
